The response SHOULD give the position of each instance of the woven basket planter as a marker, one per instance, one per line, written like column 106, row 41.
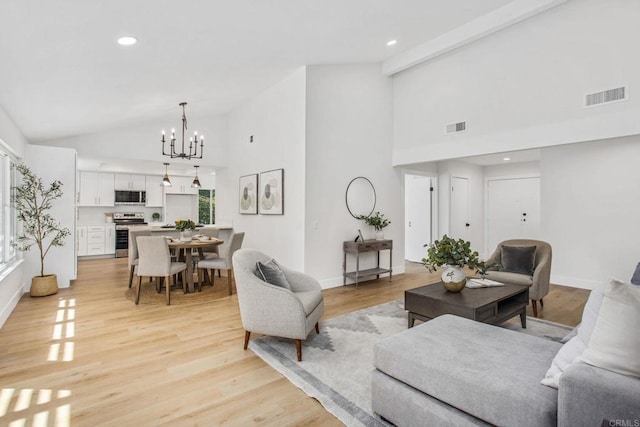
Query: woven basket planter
column 41, row 286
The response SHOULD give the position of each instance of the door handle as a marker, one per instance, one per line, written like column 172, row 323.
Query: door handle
column 467, row 224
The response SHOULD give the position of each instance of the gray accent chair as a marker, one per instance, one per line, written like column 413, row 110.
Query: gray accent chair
column 272, row 310
column 539, row 282
column 155, row 261
column 133, row 251
column 222, row 262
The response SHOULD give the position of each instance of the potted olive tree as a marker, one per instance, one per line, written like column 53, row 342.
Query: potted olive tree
column 33, row 201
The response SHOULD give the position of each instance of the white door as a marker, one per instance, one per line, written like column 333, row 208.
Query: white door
column 417, row 208
column 459, row 213
column 513, row 210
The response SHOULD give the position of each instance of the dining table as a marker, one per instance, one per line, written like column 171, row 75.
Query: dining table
column 185, row 249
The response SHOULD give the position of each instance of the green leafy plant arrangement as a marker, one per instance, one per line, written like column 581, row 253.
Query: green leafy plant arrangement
column 33, row 202
column 449, row 251
column 377, row 220
column 185, row 224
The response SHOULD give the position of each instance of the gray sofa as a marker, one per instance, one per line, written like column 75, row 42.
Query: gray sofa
column 454, row 371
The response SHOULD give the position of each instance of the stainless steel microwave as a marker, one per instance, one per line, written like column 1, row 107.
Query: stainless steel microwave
column 130, row 197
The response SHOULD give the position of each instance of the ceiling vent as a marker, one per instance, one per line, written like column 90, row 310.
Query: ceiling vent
column 455, row 127
column 606, row 96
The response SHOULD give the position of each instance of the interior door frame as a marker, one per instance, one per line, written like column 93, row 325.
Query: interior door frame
column 450, row 189
column 488, row 251
column 434, row 200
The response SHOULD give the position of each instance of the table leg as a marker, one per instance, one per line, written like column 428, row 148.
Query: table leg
column 523, row 319
column 357, row 269
column 390, row 264
column 410, row 320
column 189, row 261
column 344, row 269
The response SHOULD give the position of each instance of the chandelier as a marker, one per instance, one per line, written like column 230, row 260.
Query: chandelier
column 193, row 142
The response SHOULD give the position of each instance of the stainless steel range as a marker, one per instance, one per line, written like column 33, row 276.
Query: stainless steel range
column 123, row 221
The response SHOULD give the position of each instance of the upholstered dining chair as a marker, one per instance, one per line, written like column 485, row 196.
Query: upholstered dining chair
column 289, row 310
column 223, row 262
column 521, row 265
column 155, row 261
column 133, row 250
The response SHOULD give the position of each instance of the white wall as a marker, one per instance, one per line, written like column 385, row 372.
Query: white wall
column 349, row 130
column 12, row 282
column 276, row 119
column 523, row 87
column 50, row 164
column 590, row 210
column 512, row 170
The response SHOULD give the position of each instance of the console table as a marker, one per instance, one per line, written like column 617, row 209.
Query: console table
column 356, row 248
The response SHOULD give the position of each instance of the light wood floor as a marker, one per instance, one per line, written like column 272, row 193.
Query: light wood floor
column 87, row 356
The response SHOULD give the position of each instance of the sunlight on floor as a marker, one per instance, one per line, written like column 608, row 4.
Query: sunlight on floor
column 64, row 329
column 13, row 401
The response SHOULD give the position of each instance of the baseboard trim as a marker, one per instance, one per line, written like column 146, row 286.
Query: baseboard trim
column 575, row 282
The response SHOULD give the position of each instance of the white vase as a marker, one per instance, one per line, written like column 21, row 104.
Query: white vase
column 185, row 235
column 453, row 278
column 379, row 235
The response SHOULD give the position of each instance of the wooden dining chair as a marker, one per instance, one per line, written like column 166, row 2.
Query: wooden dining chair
column 155, row 261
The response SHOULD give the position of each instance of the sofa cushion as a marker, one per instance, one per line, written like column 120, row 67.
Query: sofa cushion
column 486, row 371
column 577, row 344
column 615, row 342
column 518, row 259
column 271, row 273
column 507, row 277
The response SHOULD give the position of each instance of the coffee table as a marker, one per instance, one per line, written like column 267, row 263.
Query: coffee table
column 487, row 305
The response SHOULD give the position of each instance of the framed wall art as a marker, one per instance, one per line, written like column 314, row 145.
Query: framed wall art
column 248, row 196
column 271, row 201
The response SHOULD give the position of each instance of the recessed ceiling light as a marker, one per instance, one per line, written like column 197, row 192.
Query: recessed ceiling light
column 392, row 42
column 506, row 159
column 127, row 41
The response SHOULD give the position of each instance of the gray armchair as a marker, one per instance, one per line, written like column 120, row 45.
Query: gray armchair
column 538, row 282
column 274, row 310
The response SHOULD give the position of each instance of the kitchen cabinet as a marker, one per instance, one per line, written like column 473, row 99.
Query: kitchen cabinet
column 129, row 182
column 155, row 195
column 96, row 189
column 96, row 240
column 81, row 240
column 181, row 185
column 110, row 239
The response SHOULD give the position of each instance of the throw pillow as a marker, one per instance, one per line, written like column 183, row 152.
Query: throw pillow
column 518, row 259
column 635, row 279
column 271, row 273
column 615, row 343
column 578, row 343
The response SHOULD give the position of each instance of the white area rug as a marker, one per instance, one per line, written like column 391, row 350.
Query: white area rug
column 337, row 364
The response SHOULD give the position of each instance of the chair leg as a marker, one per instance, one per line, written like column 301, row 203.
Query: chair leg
column 218, row 273
column 167, row 285
column 534, row 304
column 138, row 294
column 317, row 328
column 131, row 275
column 299, row 349
column 229, row 281
column 199, row 270
column 246, row 339
column 541, row 303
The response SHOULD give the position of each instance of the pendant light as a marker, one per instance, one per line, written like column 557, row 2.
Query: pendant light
column 165, row 179
column 196, row 181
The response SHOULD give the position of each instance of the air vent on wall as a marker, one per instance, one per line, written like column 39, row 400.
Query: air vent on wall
column 606, row 96
column 455, row 127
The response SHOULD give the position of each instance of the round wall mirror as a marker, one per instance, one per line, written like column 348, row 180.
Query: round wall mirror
column 360, row 197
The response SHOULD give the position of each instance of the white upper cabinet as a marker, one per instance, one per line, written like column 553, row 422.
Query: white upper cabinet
column 96, row 189
column 155, row 196
column 181, row 185
column 129, row 182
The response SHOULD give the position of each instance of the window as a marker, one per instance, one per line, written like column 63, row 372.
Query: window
column 206, row 206
column 7, row 210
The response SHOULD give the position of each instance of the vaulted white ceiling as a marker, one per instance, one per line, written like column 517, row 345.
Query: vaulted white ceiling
column 62, row 73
